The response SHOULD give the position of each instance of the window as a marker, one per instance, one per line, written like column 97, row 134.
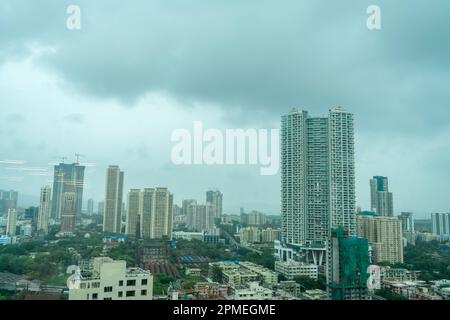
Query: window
column 121, row 283
column 107, row 299
column 94, row 296
column 144, row 282
column 131, row 283
column 131, row 293
column 120, row 294
column 143, row 292
column 108, row 289
column 95, row 284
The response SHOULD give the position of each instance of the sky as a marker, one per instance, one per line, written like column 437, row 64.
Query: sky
column 116, row 89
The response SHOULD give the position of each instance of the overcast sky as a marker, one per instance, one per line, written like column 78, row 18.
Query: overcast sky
column 116, row 89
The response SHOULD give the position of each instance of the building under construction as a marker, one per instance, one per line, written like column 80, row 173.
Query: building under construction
column 347, row 266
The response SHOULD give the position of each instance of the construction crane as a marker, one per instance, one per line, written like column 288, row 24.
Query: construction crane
column 79, row 156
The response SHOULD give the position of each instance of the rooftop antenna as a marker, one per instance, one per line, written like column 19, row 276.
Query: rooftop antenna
column 63, row 159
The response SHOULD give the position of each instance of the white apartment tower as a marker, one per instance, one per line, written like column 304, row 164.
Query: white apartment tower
column 317, row 176
column 11, row 223
column 215, row 198
column 45, row 204
column 112, row 217
column 156, row 213
column 133, row 206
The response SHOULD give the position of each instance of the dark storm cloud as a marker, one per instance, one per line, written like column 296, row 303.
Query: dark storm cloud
column 255, row 56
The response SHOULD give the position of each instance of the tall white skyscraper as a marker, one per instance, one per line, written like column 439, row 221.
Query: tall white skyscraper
column 11, row 224
column 215, row 198
column 317, row 176
column 156, row 213
column 381, row 199
column 112, row 217
column 200, row 217
column 162, row 217
column 133, row 205
column 44, row 209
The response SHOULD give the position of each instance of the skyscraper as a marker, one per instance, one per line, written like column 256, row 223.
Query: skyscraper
column 162, row 217
column 11, row 224
column 133, row 207
column 146, row 207
column 215, row 198
column 347, row 266
column 68, row 212
column 112, row 217
column 156, row 213
column 381, row 199
column 186, row 203
column 67, row 178
column 408, row 227
column 44, row 210
column 384, row 234
column 90, row 207
column 440, row 225
column 201, row 217
column 101, row 208
column 317, row 176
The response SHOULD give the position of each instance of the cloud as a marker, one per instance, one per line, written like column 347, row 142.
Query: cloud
column 75, row 118
column 251, row 61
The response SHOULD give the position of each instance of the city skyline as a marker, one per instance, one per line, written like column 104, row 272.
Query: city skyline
column 210, row 71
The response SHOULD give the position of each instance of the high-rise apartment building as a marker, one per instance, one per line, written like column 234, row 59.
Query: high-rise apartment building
column 67, row 178
column 215, row 198
column 317, row 176
column 90, row 207
column 112, row 217
column 156, row 213
column 162, row 217
column 11, row 224
column 133, row 207
column 384, row 234
column 186, row 203
column 409, row 233
column 347, row 266
column 381, row 199
column 68, row 212
column 440, row 225
column 101, row 208
column 200, row 217
column 44, row 209
column 256, row 218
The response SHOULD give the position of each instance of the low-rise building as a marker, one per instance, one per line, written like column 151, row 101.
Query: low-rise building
column 253, row 291
column 399, row 274
column 413, row 290
column 5, row 240
column 291, row 269
column 110, row 280
column 315, row 294
column 237, row 277
column 267, row 276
